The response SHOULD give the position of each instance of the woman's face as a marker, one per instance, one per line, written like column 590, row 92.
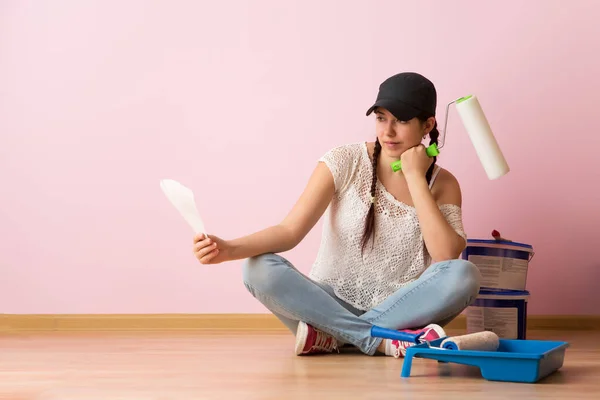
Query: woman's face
column 397, row 136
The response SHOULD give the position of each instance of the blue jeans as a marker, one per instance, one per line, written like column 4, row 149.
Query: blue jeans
column 440, row 294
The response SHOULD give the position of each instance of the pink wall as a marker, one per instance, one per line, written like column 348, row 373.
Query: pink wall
column 99, row 101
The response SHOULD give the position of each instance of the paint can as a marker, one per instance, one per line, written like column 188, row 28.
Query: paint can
column 501, row 312
column 503, row 264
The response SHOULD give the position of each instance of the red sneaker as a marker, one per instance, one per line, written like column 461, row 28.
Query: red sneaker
column 398, row 348
column 313, row 341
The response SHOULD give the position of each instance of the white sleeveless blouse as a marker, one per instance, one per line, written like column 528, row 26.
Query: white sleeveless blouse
column 398, row 255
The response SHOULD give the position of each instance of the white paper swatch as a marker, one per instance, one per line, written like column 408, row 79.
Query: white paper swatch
column 182, row 199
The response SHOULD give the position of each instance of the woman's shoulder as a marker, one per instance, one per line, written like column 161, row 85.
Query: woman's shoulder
column 344, row 161
column 446, row 188
column 445, row 177
column 353, row 147
column 344, row 153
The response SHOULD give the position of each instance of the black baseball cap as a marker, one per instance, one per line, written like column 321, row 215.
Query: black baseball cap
column 407, row 95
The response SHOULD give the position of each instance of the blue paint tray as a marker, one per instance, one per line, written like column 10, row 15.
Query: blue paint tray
column 526, row 361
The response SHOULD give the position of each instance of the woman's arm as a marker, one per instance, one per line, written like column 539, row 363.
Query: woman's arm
column 442, row 241
column 301, row 219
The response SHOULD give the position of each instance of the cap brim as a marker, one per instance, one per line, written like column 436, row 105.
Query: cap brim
column 400, row 110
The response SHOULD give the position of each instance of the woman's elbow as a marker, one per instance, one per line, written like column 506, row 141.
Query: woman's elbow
column 449, row 253
column 291, row 237
column 443, row 257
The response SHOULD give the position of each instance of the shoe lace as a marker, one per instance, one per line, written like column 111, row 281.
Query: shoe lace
column 400, row 347
column 325, row 342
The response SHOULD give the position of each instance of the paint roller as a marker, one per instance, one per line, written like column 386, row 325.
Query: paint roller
column 483, row 341
column 477, row 341
column 481, row 135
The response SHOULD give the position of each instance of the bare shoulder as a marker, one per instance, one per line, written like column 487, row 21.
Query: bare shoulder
column 446, row 188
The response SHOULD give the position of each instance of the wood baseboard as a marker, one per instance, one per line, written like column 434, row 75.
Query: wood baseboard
column 234, row 322
column 138, row 322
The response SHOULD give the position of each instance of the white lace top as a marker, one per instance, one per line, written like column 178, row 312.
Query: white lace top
column 398, row 255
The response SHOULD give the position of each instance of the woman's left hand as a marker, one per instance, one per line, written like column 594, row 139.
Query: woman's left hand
column 415, row 161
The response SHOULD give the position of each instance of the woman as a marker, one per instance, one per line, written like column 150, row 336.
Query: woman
column 391, row 241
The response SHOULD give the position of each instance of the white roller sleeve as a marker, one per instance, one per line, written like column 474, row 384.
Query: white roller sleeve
column 482, row 137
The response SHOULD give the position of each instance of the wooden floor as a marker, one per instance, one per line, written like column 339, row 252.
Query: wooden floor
column 226, row 365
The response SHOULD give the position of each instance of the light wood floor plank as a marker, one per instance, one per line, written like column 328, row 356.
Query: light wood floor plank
column 254, row 365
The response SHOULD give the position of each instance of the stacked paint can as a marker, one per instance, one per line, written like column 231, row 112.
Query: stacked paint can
column 501, row 306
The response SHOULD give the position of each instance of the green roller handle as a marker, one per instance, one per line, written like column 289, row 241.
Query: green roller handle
column 431, row 151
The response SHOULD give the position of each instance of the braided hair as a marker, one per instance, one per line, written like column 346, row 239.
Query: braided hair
column 370, row 223
column 434, row 135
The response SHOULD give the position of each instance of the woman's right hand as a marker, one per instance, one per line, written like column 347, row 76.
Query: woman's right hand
column 211, row 250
